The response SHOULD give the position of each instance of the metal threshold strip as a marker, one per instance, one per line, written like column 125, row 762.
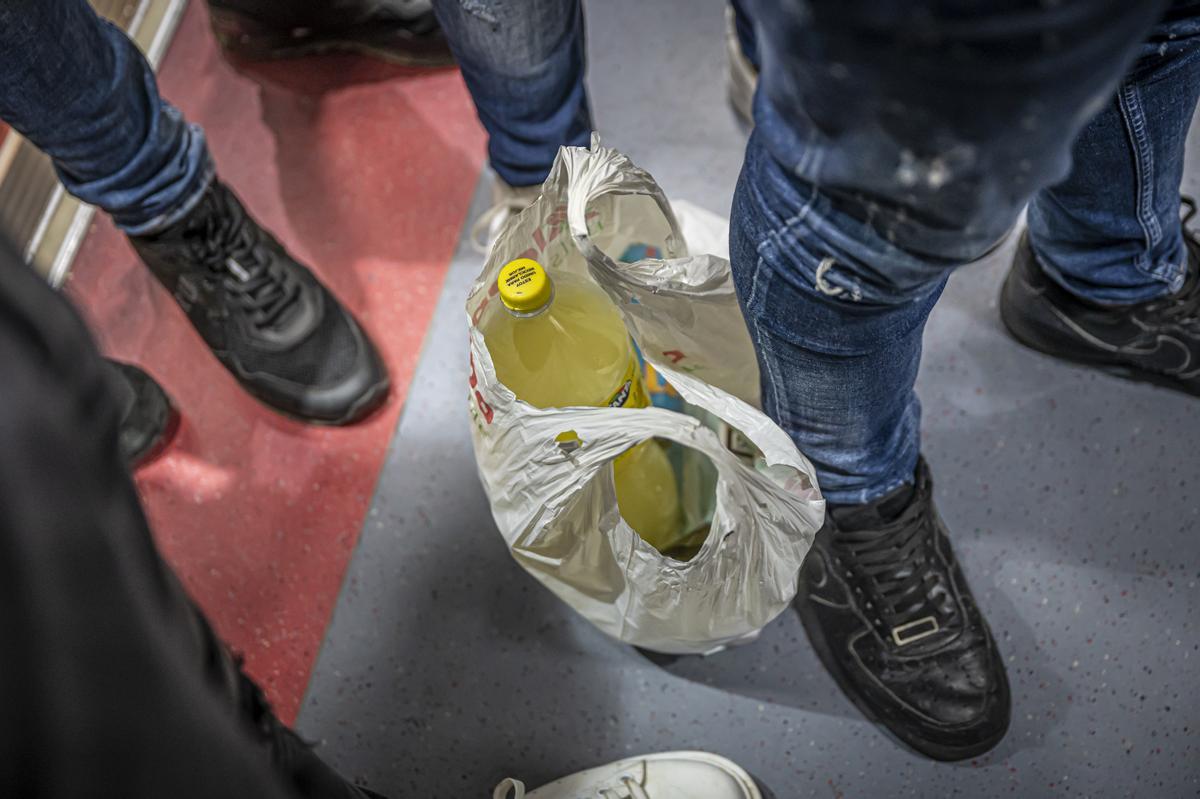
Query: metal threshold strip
column 43, row 220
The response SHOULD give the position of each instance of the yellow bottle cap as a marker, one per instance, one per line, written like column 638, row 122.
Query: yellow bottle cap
column 524, row 285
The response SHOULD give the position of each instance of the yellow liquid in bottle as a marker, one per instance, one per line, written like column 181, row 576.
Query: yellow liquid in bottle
column 575, row 350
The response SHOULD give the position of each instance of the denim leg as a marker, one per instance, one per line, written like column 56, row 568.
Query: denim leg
column 80, row 90
column 1110, row 232
column 893, row 142
column 524, row 65
column 837, row 371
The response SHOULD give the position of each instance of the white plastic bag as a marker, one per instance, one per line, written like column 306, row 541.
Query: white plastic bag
column 554, row 502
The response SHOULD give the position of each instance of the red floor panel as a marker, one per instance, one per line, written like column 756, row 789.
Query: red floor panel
column 365, row 171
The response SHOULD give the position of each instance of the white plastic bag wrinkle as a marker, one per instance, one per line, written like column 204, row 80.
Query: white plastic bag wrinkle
column 555, row 505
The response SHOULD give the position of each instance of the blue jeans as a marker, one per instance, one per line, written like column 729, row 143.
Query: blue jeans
column 524, row 65
column 79, row 90
column 895, row 141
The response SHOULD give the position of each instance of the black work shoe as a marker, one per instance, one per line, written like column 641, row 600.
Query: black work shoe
column 272, row 324
column 148, row 417
column 1156, row 341
column 400, row 31
column 889, row 613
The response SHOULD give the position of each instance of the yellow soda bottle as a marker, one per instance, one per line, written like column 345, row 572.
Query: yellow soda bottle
column 561, row 343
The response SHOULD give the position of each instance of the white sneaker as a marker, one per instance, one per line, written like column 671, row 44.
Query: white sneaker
column 507, row 202
column 668, row 775
column 743, row 77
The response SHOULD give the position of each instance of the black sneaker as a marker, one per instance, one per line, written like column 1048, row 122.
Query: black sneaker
column 265, row 316
column 400, row 31
column 1156, row 341
column 148, row 417
column 889, row 613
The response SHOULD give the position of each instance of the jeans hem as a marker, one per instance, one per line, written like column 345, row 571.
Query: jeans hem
column 1169, row 277
column 165, row 220
column 863, row 496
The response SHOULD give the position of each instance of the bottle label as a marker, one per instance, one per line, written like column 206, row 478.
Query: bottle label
column 632, row 391
column 661, row 393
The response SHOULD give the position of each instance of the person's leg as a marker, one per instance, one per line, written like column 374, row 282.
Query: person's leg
column 854, row 213
column 894, row 142
column 1110, row 232
column 112, row 683
column 524, row 66
column 1108, row 276
column 837, row 369
column 80, row 90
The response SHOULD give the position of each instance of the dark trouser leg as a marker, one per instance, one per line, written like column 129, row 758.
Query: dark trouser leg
column 112, row 684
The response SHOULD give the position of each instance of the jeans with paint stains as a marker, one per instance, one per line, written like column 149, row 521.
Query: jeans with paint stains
column 895, row 141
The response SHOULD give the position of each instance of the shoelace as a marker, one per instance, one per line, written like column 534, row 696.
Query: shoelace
column 1184, row 305
column 896, row 559
column 226, row 241
column 631, row 789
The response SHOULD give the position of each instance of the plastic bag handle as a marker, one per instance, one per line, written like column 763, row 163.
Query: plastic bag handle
column 582, row 189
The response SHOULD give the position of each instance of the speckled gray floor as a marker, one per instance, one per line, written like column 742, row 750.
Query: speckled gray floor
column 1074, row 499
